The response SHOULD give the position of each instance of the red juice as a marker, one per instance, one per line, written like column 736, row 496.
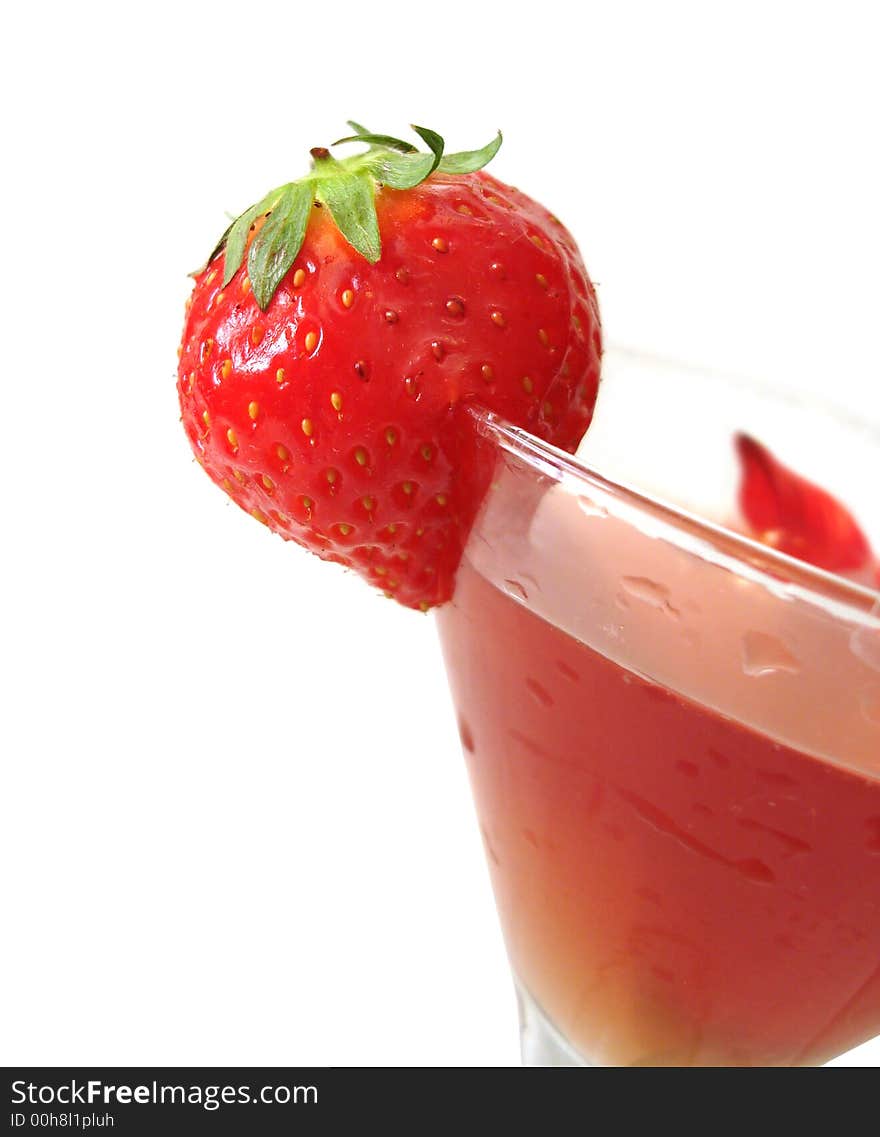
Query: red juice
column 674, row 888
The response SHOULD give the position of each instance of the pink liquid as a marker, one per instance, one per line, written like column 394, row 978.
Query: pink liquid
column 674, row 889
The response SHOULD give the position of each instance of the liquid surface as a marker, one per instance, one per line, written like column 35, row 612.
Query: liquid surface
column 674, row 889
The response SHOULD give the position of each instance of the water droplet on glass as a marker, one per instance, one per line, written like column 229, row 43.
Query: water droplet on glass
column 590, row 508
column 756, row 871
column 651, row 895
column 772, row 778
column 767, row 655
column 649, row 592
column 516, row 590
column 540, row 693
column 865, row 644
column 790, row 842
column 871, row 704
column 720, row 760
column 568, row 672
column 490, row 848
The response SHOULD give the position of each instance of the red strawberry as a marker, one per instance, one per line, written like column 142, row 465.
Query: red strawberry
column 797, row 517
column 323, row 384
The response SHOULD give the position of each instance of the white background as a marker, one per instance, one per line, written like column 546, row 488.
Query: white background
column 236, row 824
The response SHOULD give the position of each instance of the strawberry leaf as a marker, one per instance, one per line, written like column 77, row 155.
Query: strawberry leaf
column 401, row 171
column 350, row 197
column 385, row 141
column 404, row 171
column 435, row 144
column 468, row 161
column 276, row 246
column 220, row 246
column 236, row 235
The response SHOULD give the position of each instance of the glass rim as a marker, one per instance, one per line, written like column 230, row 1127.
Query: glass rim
column 777, row 570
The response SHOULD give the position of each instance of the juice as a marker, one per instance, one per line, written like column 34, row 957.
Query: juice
column 674, row 888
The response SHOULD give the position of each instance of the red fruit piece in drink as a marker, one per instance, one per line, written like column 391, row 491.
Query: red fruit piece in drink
column 797, row 517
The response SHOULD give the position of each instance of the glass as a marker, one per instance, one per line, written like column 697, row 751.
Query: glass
column 673, row 738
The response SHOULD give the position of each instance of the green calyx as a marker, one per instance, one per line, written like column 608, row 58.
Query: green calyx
column 347, row 187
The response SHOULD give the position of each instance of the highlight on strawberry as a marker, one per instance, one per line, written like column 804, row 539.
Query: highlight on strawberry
column 343, row 326
column 789, row 513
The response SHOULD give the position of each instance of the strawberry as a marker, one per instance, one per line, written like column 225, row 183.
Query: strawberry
column 346, row 322
column 799, row 518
